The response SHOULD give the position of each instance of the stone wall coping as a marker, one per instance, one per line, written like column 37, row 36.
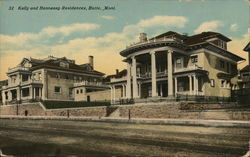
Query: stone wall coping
column 218, row 110
column 75, row 108
column 185, row 122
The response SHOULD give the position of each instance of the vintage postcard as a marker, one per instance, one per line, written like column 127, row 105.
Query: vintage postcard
column 115, row 78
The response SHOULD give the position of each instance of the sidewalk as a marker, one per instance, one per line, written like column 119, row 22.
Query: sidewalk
column 186, row 122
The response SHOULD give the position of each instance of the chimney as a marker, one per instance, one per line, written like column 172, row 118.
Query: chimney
column 143, row 37
column 91, row 62
column 117, row 71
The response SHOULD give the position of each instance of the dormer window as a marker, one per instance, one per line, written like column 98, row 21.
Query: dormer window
column 218, row 42
column 222, row 44
column 64, row 64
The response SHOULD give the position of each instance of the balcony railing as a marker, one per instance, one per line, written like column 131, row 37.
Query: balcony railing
column 118, row 79
column 189, row 68
column 23, row 83
column 152, row 41
column 149, row 74
column 244, row 79
column 18, row 68
column 87, row 83
column 31, row 81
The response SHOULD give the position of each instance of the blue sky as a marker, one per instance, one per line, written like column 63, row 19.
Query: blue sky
column 77, row 34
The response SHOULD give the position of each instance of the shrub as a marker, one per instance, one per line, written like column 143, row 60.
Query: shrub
column 72, row 104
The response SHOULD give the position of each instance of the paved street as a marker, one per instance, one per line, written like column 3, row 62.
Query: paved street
column 78, row 138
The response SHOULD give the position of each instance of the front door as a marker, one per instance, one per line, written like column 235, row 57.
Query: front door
column 88, row 98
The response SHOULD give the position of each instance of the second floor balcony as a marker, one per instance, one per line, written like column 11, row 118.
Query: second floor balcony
column 122, row 79
column 23, row 83
column 189, row 68
column 244, row 78
column 149, row 74
column 89, row 83
column 18, row 68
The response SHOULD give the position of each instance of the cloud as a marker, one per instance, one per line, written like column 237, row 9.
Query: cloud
column 234, row 27
column 105, row 49
column 165, row 21
column 28, row 40
column 209, row 26
column 67, row 30
column 237, row 45
column 107, row 17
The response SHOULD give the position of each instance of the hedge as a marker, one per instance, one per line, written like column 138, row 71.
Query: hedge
column 73, row 104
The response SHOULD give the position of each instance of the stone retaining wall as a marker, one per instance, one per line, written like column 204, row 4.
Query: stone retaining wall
column 84, row 112
column 173, row 111
column 33, row 109
column 159, row 110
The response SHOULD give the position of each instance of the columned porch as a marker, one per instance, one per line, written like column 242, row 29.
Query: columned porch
column 159, row 73
column 21, row 94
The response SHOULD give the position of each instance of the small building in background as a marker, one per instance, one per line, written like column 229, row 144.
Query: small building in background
column 244, row 78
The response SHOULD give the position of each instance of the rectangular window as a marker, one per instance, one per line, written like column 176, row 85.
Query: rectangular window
column 178, row 63
column 57, row 89
column 222, row 64
column 70, row 91
column 25, row 92
column 212, row 82
column 194, row 59
column 25, row 78
column 222, row 83
column 40, row 76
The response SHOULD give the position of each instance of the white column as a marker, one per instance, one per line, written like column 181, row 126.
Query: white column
column 40, row 92
column 161, row 86
column 128, row 87
column 18, row 94
column 170, row 74
column 134, row 76
column 190, row 85
column 139, row 88
column 45, row 85
column 3, row 97
column 31, row 92
column 153, row 72
column 114, row 93
column 111, row 94
column 34, row 92
column 203, row 86
column 195, row 85
column 123, row 91
column 9, row 96
column 176, row 85
column 21, row 77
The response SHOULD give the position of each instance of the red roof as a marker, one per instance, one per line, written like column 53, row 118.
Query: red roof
column 55, row 64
